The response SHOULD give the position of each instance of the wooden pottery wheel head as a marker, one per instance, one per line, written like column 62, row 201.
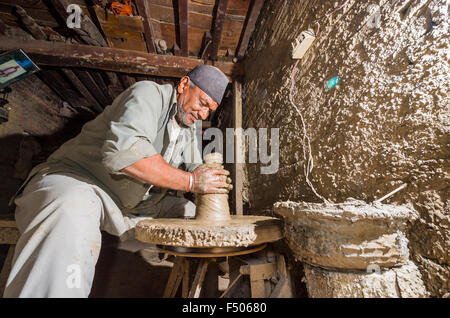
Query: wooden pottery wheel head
column 213, row 208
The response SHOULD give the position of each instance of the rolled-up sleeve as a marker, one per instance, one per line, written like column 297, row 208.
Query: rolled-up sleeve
column 133, row 127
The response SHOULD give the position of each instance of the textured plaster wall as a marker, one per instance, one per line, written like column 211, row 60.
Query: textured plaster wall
column 387, row 123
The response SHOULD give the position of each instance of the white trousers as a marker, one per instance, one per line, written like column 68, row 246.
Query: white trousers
column 60, row 217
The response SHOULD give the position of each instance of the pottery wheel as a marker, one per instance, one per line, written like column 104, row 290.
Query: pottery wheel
column 239, row 231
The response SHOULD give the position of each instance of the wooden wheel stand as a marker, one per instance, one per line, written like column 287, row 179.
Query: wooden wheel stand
column 183, row 263
column 212, row 234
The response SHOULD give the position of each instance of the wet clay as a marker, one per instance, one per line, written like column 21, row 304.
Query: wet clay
column 213, row 207
column 213, row 225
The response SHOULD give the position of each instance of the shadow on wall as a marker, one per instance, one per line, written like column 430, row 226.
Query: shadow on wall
column 20, row 153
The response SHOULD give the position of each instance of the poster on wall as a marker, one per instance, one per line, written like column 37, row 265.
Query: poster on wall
column 15, row 65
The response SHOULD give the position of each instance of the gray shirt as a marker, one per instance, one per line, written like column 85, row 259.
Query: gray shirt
column 138, row 124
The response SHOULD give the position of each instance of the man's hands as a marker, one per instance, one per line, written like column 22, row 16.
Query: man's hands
column 154, row 170
column 207, row 180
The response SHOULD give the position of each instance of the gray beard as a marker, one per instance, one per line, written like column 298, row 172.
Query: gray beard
column 181, row 116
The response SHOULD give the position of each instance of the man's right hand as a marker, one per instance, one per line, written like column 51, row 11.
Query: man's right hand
column 207, row 180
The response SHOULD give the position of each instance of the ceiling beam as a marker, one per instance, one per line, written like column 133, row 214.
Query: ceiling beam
column 183, row 26
column 249, row 26
column 218, row 27
column 82, row 89
column 143, row 7
column 111, row 59
column 88, row 31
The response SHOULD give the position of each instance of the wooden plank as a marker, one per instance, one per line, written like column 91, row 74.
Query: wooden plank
column 178, row 279
column 38, row 4
column 9, row 235
column 185, row 285
column 86, row 78
column 211, row 284
column 97, row 76
column 283, row 289
column 123, row 32
column 183, row 26
column 198, row 279
column 249, row 26
column 30, row 24
column 56, row 82
column 3, row 27
column 235, row 7
column 258, row 273
column 239, row 155
column 126, row 80
column 174, row 273
column 167, row 31
column 111, row 59
column 82, row 89
column 218, row 26
column 230, row 36
column 41, row 16
column 143, row 8
column 88, row 31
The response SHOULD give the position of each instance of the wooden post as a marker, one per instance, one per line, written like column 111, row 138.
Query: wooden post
column 249, row 26
column 183, row 23
column 218, row 27
column 198, row 280
column 175, row 278
column 143, row 7
column 239, row 155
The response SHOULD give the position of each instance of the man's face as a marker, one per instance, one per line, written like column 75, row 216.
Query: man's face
column 192, row 103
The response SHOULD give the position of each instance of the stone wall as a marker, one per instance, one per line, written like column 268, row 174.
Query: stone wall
column 385, row 124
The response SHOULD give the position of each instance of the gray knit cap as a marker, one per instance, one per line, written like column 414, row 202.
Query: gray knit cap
column 211, row 80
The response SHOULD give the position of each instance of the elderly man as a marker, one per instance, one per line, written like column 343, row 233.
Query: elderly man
column 116, row 171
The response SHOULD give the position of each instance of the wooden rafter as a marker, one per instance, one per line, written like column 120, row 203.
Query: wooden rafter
column 249, row 26
column 55, row 81
column 143, row 8
column 111, row 59
column 86, row 78
column 82, row 89
column 183, row 26
column 88, row 31
column 218, row 27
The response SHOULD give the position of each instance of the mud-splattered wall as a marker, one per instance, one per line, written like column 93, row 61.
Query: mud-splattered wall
column 385, row 124
column 35, row 123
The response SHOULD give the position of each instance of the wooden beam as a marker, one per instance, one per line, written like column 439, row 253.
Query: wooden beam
column 183, row 26
column 111, row 59
column 239, row 156
column 92, row 86
column 249, row 26
column 3, row 27
column 143, row 8
column 38, row 4
column 206, row 46
column 218, row 27
column 56, row 82
column 101, row 84
column 30, row 24
column 88, row 31
column 127, row 80
column 82, row 89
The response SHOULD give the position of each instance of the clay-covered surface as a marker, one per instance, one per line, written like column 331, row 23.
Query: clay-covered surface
column 399, row 282
column 351, row 235
column 387, row 123
column 239, row 231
